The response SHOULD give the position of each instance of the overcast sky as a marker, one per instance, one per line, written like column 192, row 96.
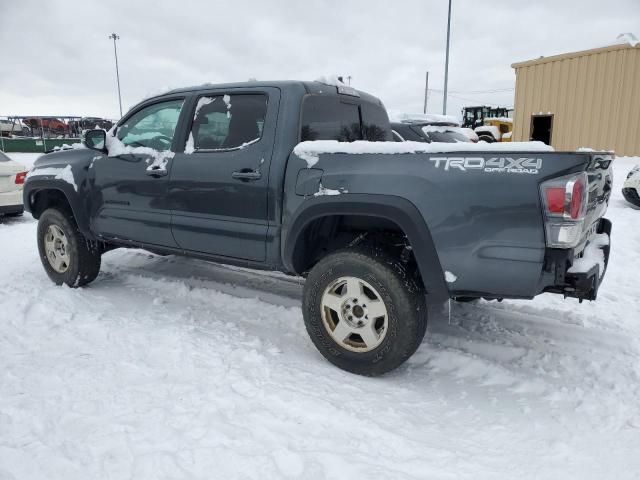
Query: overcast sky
column 57, row 59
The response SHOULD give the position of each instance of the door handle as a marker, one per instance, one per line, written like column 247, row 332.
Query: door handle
column 247, row 175
column 157, row 173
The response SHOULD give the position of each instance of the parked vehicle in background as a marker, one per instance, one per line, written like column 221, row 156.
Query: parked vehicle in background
column 473, row 117
column 303, row 178
column 495, row 129
column 12, row 178
column 10, row 127
column 426, row 132
column 50, row 125
column 88, row 123
column 631, row 187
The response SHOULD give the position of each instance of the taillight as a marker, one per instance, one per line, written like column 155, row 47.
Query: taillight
column 20, row 178
column 565, row 207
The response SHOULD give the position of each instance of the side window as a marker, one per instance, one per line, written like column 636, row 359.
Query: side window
column 153, row 126
column 227, row 121
column 327, row 118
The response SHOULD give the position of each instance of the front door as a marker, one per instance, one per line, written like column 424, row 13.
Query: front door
column 219, row 185
column 130, row 186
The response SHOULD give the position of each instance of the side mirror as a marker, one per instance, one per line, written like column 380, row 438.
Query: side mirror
column 96, row 140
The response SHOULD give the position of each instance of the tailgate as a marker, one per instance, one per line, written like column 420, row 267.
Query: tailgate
column 600, row 183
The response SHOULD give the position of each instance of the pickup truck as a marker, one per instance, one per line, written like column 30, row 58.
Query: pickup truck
column 304, row 178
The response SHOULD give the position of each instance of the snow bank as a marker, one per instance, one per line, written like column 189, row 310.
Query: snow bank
column 310, row 150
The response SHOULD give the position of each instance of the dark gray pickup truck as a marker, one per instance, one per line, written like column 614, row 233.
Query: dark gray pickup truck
column 304, row 178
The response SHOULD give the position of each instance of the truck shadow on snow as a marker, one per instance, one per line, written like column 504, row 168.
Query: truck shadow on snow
column 509, row 344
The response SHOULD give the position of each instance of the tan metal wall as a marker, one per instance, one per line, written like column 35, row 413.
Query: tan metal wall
column 593, row 95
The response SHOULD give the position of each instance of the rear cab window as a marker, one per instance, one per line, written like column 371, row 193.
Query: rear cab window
column 332, row 117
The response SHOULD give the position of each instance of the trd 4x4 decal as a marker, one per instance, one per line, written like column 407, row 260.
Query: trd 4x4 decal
column 491, row 165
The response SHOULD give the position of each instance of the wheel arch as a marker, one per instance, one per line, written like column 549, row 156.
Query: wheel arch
column 38, row 198
column 389, row 209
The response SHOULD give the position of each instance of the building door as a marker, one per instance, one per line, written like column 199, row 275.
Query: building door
column 541, row 128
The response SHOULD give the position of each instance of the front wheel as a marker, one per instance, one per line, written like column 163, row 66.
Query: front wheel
column 364, row 311
column 66, row 255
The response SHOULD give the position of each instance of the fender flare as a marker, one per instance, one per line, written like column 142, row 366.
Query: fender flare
column 396, row 209
column 37, row 185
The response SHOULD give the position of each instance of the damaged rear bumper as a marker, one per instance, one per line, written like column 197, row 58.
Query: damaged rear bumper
column 583, row 282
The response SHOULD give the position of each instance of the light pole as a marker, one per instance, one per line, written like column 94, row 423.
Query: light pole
column 115, row 53
column 446, row 64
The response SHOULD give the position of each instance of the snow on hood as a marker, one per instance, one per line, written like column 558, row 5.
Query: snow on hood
column 311, row 150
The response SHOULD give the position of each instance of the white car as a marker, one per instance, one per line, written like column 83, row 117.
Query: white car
column 12, row 176
column 631, row 187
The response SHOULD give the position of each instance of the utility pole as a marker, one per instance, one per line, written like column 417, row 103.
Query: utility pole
column 446, row 63
column 426, row 92
column 349, row 79
column 115, row 53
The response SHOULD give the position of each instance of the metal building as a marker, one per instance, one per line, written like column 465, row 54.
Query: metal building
column 582, row 99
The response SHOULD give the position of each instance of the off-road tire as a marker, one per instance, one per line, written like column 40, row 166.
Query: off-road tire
column 84, row 257
column 403, row 297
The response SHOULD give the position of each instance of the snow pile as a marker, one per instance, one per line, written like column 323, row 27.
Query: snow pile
column 310, row 150
column 627, row 38
column 422, row 118
column 491, row 129
column 59, row 173
column 592, row 256
column 331, row 80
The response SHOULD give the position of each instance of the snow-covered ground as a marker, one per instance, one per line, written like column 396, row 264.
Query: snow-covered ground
column 167, row 367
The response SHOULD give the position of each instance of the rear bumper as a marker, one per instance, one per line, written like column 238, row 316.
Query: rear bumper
column 11, row 199
column 11, row 209
column 585, row 284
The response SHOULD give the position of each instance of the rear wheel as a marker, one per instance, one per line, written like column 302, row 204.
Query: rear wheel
column 364, row 311
column 486, row 138
column 66, row 255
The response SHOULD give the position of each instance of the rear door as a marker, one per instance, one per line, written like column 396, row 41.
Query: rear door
column 218, row 189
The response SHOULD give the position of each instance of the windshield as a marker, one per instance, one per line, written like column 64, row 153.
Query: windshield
column 3, row 157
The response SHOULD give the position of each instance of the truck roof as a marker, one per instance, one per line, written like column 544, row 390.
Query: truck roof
column 312, row 87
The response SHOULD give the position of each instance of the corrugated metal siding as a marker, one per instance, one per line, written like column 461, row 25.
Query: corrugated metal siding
column 594, row 97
